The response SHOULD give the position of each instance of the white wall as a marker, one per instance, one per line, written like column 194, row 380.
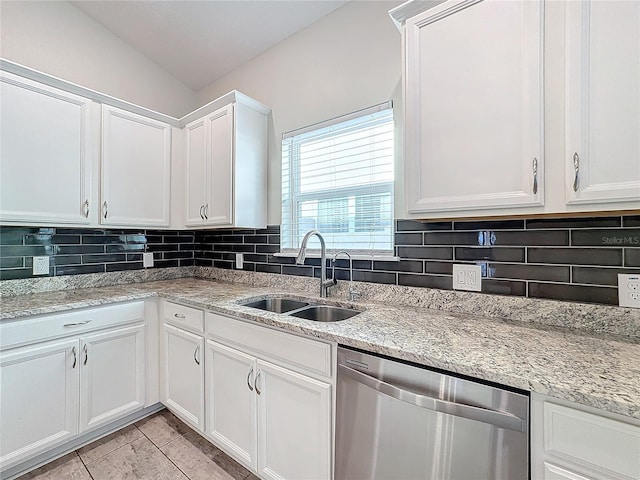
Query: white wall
column 57, row 38
column 349, row 60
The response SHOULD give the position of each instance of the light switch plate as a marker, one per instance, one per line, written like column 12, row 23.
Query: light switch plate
column 629, row 290
column 467, row 277
column 41, row 265
column 147, row 259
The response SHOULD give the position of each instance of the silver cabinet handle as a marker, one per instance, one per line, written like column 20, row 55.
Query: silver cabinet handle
column 195, row 355
column 85, row 209
column 76, row 323
column 105, row 209
column 206, row 211
column 535, row 175
column 201, row 211
column 179, row 315
column 576, row 166
column 86, row 353
column 75, row 357
column 255, row 384
column 493, row 417
column 249, row 378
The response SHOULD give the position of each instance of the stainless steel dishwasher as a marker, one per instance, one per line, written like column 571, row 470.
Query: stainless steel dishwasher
column 401, row 422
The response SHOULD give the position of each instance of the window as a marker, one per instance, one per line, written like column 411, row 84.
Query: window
column 337, row 178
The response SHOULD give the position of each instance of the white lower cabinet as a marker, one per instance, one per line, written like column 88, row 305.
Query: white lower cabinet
column 231, row 402
column 266, row 403
column 51, row 391
column 571, row 441
column 183, row 374
column 112, row 376
column 38, row 398
column 294, row 424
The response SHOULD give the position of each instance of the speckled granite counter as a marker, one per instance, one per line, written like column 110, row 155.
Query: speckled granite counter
column 595, row 371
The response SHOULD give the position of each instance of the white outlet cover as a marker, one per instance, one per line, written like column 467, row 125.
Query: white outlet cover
column 629, row 290
column 41, row 265
column 467, row 277
column 239, row 261
column 147, row 259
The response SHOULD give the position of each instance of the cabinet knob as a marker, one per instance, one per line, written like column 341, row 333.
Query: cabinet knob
column 576, row 166
column 535, row 175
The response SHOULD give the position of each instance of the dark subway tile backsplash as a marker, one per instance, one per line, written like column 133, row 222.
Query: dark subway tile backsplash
column 573, row 259
column 74, row 251
column 576, row 256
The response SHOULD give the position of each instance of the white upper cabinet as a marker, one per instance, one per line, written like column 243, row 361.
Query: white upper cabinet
column 603, row 102
column 226, row 166
column 45, row 154
column 196, row 165
column 473, row 107
column 136, row 156
column 210, row 169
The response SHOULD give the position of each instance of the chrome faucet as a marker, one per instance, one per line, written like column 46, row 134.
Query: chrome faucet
column 324, row 283
column 353, row 295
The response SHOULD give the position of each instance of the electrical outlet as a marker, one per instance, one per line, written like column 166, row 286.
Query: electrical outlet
column 239, row 261
column 467, row 277
column 41, row 265
column 147, row 259
column 629, row 290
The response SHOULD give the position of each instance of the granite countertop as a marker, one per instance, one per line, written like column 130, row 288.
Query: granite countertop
column 596, row 371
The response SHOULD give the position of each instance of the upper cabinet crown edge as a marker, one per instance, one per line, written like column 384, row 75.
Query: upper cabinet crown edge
column 99, row 97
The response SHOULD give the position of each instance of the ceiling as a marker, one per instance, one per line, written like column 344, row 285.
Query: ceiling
column 199, row 42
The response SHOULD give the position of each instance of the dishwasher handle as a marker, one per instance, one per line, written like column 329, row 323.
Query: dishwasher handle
column 493, row 417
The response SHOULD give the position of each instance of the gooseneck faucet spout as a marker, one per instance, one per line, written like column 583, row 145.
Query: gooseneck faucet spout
column 324, row 283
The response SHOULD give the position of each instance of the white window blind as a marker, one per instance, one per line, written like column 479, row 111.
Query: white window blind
column 337, row 178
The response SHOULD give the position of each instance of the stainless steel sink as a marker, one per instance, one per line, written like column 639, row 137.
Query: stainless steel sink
column 278, row 305
column 325, row 313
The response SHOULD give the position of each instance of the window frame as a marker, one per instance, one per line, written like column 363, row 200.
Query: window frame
column 292, row 199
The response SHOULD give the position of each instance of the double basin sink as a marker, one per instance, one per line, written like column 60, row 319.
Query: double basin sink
column 302, row 309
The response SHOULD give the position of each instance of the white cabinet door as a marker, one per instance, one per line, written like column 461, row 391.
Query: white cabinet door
column 112, row 382
column 231, row 402
column 294, row 429
column 603, row 102
column 136, row 155
column 473, row 106
column 45, row 155
column 218, row 208
column 183, row 374
column 197, row 161
column 553, row 472
column 38, row 399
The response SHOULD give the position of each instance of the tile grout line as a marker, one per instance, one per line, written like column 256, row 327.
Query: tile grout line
column 165, row 456
column 110, row 452
column 77, row 452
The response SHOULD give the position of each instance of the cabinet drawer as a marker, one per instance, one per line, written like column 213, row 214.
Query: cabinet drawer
column 298, row 353
column 592, row 440
column 187, row 317
column 19, row 332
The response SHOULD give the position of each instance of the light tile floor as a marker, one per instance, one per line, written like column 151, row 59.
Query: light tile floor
column 159, row 447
